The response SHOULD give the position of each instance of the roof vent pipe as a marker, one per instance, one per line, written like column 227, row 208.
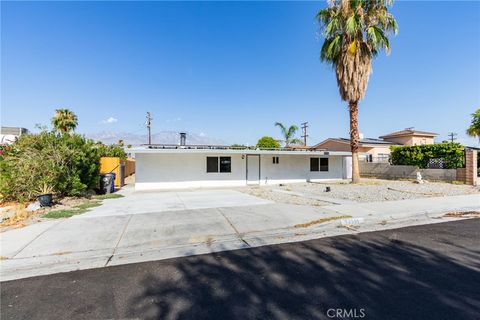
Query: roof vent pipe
column 183, row 138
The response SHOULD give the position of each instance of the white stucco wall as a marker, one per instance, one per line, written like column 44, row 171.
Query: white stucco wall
column 173, row 171
column 170, row 171
column 295, row 168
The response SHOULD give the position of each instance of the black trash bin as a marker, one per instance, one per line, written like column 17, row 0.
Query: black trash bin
column 106, row 182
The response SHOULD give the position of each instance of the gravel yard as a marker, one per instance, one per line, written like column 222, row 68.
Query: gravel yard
column 368, row 190
column 269, row 193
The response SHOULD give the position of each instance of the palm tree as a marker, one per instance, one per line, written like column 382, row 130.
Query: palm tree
column 474, row 129
column 64, row 120
column 355, row 31
column 288, row 134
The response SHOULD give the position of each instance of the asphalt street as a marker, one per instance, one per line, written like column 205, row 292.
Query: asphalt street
column 422, row 272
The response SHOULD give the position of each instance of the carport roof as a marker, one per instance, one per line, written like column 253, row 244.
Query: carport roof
column 227, row 150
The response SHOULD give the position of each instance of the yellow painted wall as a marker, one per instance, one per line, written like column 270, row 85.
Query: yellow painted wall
column 111, row 164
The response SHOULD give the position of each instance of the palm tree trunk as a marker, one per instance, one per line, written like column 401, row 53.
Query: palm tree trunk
column 354, row 137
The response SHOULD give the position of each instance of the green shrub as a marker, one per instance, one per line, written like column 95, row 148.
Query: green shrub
column 452, row 153
column 68, row 163
column 238, row 146
column 268, row 143
column 113, row 150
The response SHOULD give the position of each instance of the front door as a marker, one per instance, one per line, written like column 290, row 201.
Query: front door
column 253, row 169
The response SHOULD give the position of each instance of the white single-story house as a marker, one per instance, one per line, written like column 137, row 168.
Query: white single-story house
column 175, row 167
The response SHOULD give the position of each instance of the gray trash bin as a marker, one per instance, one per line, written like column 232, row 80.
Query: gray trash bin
column 106, row 181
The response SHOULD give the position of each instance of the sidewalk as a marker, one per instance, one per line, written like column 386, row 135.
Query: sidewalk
column 92, row 242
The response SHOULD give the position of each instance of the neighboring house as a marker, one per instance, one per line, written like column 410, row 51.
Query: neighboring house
column 185, row 166
column 9, row 135
column 373, row 148
column 410, row 137
column 378, row 150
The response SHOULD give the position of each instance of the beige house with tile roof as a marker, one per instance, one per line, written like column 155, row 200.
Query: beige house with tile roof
column 379, row 149
column 410, row 137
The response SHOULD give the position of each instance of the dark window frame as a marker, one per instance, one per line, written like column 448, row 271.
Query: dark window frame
column 216, row 165
column 314, row 164
column 325, row 166
column 212, row 168
column 227, row 166
column 275, row 160
column 319, row 165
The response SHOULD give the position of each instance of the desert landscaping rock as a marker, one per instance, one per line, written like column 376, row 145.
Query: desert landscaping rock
column 269, row 193
column 34, row 206
column 368, row 190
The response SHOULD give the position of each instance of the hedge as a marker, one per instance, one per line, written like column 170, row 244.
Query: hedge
column 451, row 153
column 67, row 163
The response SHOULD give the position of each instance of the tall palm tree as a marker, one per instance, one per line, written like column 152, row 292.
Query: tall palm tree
column 474, row 129
column 355, row 31
column 64, row 120
column 288, row 133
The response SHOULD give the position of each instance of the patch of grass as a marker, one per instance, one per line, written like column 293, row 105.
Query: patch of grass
column 108, row 196
column 66, row 213
column 458, row 182
column 322, row 220
column 88, row 205
column 81, row 208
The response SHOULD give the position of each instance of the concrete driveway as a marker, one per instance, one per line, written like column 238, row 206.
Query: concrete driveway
column 145, row 226
column 156, row 202
column 153, row 226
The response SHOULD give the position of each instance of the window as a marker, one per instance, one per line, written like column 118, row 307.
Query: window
column 314, row 164
column 219, row 164
column 318, row 164
column 323, row 164
column 225, row 164
column 212, row 164
column 275, row 160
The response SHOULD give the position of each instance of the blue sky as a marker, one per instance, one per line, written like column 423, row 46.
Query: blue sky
column 230, row 70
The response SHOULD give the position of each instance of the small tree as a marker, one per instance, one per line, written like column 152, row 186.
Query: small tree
column 289, row 134
column 268, row 143
column 64, row 120
column 474, row 129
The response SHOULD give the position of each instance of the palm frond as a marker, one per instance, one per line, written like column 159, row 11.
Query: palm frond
column 291, row 131
column 353, row 25
column 297, row 141
column 331, row 49
column 282, row 128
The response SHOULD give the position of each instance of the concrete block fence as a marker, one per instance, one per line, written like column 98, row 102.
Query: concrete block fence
column 468, row 175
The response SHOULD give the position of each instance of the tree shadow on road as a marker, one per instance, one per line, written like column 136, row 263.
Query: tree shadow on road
column 388, row 278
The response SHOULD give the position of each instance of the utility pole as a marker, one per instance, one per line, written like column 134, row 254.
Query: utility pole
column 149, row 127
column 452, row 136
column 305, row 135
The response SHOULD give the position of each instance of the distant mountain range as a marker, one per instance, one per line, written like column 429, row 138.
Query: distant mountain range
column 163, row 137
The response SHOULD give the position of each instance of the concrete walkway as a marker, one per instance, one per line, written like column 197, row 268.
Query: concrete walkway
column 110, row 236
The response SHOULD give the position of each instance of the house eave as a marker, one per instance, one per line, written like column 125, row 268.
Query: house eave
column 187, row 150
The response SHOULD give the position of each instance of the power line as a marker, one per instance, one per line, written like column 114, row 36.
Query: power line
column 452, row 136
column 149, row 127
column 305, row 135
